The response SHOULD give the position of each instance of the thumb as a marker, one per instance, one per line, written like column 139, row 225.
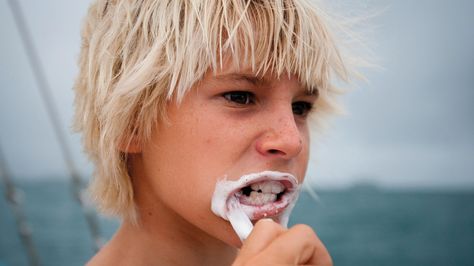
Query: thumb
column 263, row 233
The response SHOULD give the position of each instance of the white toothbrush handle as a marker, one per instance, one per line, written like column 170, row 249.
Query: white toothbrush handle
column 238, row 219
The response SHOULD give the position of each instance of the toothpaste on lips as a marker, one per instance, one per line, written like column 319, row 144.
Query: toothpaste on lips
column 254, row 196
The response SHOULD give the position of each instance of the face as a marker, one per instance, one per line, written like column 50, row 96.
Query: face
column 228, row 125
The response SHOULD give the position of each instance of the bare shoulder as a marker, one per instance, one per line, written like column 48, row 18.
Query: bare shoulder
column 115, row 252
column 105, row 256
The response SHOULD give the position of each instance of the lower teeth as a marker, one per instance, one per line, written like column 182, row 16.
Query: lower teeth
column 258, row 198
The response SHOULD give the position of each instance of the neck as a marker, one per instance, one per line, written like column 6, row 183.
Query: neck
column 162, row 237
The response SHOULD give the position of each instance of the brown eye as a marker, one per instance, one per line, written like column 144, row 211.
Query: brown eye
column 301, row 108
column 239, row 97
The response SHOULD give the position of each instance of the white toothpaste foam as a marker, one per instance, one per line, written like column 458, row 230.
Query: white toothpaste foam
column 226, row 205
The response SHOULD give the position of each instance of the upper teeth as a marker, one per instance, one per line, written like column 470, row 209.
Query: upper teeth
column 273, row 187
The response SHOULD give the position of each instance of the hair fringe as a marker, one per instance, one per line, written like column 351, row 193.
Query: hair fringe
column 137, row 55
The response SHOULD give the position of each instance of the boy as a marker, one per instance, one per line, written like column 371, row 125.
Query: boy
column 176, row 96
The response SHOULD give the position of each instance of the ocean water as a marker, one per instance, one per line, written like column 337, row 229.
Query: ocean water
column 359, row 226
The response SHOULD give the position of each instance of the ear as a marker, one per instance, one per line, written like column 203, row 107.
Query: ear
column 130, row 145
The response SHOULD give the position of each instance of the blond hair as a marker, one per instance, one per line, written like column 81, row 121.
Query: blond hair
column 136, row 55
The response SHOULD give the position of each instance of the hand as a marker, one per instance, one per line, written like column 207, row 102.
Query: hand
column 271, row 244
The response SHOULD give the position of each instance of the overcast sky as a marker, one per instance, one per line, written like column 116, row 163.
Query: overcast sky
column 411, row 126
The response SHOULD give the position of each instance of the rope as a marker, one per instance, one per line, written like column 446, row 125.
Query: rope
column 12, row 196
column 45, row 92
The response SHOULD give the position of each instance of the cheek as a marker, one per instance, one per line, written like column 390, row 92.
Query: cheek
column 189, row 155
column 303, row 158
column 186, row 170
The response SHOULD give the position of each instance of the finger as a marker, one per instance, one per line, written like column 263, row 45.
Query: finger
column 263, row 233
column 299, row 245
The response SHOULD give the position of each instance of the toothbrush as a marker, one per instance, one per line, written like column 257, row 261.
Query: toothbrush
column 238, row 219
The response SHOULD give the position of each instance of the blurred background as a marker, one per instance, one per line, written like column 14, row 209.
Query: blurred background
column 394, row 178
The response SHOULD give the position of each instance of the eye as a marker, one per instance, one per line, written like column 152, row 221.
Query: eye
column 240, row 97
column 301, row 108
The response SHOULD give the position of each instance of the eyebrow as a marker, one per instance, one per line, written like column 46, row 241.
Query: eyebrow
column 243, row 77
column 313, row 91
column 254, row 80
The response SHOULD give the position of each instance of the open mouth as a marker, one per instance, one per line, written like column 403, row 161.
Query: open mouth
column 261, row 193
column 265, row 198
column 267, row 194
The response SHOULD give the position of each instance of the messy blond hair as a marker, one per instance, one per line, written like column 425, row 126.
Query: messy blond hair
column 136, row 55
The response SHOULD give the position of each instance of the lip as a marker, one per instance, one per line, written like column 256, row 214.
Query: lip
column 226, row 189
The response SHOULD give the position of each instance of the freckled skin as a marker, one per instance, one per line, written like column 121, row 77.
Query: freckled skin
column 206, row 138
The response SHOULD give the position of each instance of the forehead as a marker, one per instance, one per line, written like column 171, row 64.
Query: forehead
column 281, row 37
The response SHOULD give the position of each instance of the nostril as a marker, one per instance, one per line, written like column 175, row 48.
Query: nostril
column 273, row 151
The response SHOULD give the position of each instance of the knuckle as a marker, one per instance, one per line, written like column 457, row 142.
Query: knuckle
column 303, row 228
column 306, row 232
column 268, row 225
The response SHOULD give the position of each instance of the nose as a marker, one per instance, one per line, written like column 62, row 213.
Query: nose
column 282, row 137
